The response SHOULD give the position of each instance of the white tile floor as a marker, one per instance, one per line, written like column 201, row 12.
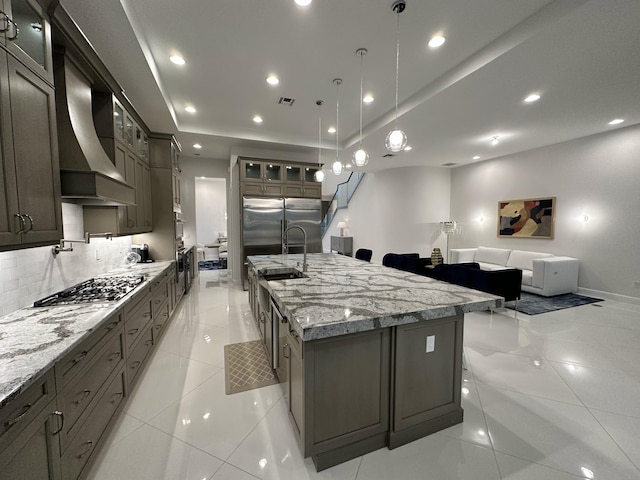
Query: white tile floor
column 553, row 396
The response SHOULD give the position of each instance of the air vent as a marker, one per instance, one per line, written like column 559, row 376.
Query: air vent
column 449, row 164
column 286, row 101
column 387, row 155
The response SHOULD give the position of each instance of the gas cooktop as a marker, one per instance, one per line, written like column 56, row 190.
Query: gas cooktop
column 95, row 290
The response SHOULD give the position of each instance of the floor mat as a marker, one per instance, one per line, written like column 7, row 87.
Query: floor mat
column 246, row 367
column 535, row 304
column 212, row 265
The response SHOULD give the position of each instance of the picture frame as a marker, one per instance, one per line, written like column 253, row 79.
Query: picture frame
column 527, row 218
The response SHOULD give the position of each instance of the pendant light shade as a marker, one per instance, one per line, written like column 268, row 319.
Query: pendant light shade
column 319, row 175
column 360, row 156
column 396, row 139
column 337, row 165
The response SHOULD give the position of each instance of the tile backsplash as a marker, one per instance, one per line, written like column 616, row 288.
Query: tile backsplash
column 30, row 274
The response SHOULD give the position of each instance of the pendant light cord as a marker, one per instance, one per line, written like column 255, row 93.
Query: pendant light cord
column 397, row 59
column 319, row 103
column 337, row 82
column 361, row 67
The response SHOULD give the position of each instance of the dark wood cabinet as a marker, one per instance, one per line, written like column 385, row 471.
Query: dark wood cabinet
column 30, row 209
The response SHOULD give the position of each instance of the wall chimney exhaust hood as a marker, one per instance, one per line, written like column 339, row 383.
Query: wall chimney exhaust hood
column 87, row 175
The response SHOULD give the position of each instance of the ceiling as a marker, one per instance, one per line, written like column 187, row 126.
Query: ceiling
column 581, row 56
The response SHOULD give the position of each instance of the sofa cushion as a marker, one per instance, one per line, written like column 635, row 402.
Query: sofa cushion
column 524, row 259
column 527, row 277
column 497, row 256
column 491, row 266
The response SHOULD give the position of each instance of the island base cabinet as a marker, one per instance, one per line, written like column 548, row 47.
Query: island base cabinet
column 345, row 408
column 427, row 375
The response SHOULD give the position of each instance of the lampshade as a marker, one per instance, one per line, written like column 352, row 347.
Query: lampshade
column 342, row 225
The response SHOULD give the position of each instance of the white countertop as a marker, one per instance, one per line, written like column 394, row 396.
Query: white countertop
column 344, row 295
column 32, row 339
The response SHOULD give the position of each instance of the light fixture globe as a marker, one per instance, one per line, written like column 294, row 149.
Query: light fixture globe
column 360, row 157
column 319, row 176
column 337, row 167
column 396, row 140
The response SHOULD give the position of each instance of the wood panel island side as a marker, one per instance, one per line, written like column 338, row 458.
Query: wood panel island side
column 368, row 356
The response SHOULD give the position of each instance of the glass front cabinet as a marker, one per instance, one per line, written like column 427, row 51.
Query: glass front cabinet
column 272, row 178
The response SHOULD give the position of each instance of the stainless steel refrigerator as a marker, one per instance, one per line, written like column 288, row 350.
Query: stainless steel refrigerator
column 264, row 221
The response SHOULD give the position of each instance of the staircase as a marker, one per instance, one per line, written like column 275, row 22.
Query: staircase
column 341, row 198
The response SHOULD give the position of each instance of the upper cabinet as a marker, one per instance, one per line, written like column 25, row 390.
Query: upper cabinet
column 26, row 32
column 271, row 178
column 30, row 206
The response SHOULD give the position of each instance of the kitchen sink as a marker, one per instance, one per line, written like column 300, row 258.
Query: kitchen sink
column 288, row 274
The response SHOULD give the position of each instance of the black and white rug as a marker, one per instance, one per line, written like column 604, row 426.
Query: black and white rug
column 535, row 304
column 212, row 265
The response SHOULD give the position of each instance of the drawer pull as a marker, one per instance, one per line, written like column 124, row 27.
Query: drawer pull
column 116, row 396
column 25, row 410
column 60, row 415
column 135, row 365
column 134, row 331
column 114, row 355
column 80, row 357
column 88, row 447
column 112, row 326
column 149, row 343
column 85, row 394
column 286, row 345
column 146, row 314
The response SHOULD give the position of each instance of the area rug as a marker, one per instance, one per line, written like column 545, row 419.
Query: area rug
column 535, row 304
column 246, row 367
column 211, row 265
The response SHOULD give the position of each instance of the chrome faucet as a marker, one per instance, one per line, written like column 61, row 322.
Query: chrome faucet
column 87, row 238
column 285, row 245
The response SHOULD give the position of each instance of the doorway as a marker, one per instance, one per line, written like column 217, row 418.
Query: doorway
column 211, row 216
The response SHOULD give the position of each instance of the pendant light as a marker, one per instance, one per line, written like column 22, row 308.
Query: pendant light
column 396, row 139
column 360, row 156
column 337, row 165
column 319, row 175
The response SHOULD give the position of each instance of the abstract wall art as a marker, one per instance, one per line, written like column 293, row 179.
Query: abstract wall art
column 530, row 218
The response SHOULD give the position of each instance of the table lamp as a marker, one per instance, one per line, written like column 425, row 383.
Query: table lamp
column 342, row 226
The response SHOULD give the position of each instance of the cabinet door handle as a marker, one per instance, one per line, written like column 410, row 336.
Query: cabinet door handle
column 114, row 355
column 284, row 354
column 30, row 222
column 112, row 326
column 134, row 331
column 79, row 358
column 85, row 394
column 6, row 20
column 135, row 365
column 16, row 30
column 116, row 397
column 22, row 227
column 25, row 410
column 88, row 447
column 60, row 415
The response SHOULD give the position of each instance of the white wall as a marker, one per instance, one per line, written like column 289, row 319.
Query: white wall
column 597, row 175
column 396, row 210
column 211, row 209
column 33, row 273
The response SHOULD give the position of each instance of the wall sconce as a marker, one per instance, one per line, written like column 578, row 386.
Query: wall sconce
column 584, row 218
column 480, row 219
column 342, row 226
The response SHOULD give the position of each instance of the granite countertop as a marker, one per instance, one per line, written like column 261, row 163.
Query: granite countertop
column 32, row 339
column 343, row 295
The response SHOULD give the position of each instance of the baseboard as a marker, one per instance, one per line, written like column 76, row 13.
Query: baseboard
column 608, row 295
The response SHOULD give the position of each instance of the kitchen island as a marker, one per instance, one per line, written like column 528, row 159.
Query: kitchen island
column 370, row 356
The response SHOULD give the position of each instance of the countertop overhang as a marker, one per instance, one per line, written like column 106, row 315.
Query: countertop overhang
column 342, row 295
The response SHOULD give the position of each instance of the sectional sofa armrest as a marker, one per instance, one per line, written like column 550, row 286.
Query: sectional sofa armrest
column 462, row 255
column 505, row 283
column 555, row 275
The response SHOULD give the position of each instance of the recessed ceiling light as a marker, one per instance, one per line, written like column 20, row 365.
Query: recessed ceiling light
column 437, row 41
column 303, row 3
column 368, row 98
column 408, row 148
column 616, row 121
column 190, row 109
column 257, row 119
column 532, row 98
column 331, row 130
column 476, row 157
column 177, row 59
column 273, row 80
column 197, row 145
column 494, row 140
